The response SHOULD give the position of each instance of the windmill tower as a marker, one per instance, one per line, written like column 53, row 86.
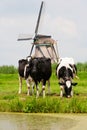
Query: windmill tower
column 44, row 45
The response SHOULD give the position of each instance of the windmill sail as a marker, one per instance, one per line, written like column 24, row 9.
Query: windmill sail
column 24, row 37
column 44, row 44
column 38, row 20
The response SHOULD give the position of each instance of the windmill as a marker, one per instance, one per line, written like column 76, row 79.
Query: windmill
column 45, row 46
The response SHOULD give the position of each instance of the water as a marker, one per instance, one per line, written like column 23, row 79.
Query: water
column 34, row 122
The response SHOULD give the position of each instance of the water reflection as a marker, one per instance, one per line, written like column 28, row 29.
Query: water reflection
column 34, row 122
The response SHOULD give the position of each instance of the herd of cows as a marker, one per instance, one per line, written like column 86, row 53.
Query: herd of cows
column 36, row 70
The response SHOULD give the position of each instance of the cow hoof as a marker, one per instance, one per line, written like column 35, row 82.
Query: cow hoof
column 19, row 92
column 68, row 96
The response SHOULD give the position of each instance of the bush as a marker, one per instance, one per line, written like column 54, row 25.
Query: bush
column 16, row 105
column 8, row 69
column 82, row 66
column 5, row 69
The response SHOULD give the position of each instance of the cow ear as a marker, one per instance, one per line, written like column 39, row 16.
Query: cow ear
column 74, row 84
column 61, row 83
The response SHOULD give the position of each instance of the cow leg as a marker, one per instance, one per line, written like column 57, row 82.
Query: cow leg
column 48, row 86
column 37, row 90
column 28, row 87
column 20, row 85
column 43, row 88
column 72, row 93
column 33, row 84
column 61, row 91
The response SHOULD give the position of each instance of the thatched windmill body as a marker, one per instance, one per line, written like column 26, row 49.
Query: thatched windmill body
column 44, row 45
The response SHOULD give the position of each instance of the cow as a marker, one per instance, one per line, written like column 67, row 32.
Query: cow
column 22, row 64
column 66, row 71
column 40, row 70
column 71, row 62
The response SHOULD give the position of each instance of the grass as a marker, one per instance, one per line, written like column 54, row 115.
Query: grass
column 11, row 101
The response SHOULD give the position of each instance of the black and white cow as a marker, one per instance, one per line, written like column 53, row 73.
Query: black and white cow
column 72, row 64
column 40, row 70
column 66, row 71
column 22, row 64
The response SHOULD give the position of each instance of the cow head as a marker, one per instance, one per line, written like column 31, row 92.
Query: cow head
column 34, row 63
column 27, row 67
column 21, row 66
column 67, row 85
column 31, row 67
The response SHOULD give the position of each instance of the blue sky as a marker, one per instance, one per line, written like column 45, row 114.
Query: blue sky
column 64, row 20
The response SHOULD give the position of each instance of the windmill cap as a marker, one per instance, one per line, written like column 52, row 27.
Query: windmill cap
column 45, row 41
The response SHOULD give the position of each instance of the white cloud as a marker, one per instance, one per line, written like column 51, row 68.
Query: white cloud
column 64, row 27
column 67, row 27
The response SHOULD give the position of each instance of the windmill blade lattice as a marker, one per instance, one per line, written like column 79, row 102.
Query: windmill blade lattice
column 38, row 20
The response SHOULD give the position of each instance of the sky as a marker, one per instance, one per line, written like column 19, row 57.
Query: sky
column 64, row 20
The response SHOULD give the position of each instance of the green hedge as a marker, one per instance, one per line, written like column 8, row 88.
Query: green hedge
column 12, row 70
column 8, row 69
column 82, row 66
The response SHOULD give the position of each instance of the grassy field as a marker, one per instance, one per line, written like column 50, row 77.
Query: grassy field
column 11, row 101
